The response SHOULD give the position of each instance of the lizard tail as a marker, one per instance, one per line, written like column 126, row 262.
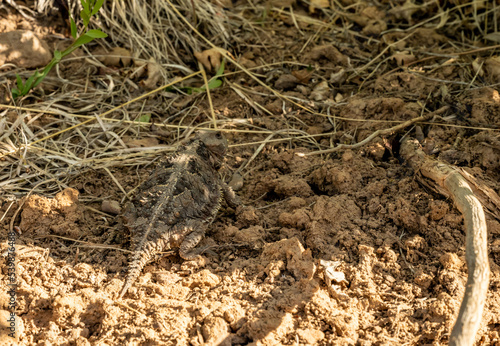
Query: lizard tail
column 141, row 257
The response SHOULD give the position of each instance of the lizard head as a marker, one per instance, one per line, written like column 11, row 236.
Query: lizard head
column 216, row 144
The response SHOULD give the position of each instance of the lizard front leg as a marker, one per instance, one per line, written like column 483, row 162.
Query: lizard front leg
column 232, row 199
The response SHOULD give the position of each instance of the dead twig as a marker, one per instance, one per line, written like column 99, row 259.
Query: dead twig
column 381, row 133
column 488, row 197
column 451, row 183
column 85, row 243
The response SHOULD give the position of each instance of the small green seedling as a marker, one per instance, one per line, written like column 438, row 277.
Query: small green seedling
column 90, row 8
column 145, row 118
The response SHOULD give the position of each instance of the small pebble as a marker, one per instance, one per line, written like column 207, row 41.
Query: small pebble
column 286, row 82
column 111, row 207
column 236, row 182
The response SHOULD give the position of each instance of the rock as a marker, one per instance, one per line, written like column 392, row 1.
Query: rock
column 493, row 68
column 81, row 341
column 67, row 200
column 320, row 91
column 286, row 82
column 296, row 202
column 438, row 210
column 23, row 49
column 117, row 57
column 236, row 182
column 111, row 207
column 338, row 76
column 422, row 279
column 298, row 219
column 269, row 327
column 68, row 306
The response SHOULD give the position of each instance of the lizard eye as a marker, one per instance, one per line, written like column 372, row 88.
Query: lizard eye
column 218, row 135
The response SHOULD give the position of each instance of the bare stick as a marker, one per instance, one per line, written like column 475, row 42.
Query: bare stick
column 449, row 182
column 382, row 132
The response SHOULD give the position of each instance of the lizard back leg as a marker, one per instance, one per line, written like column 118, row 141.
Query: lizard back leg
column 187, row 249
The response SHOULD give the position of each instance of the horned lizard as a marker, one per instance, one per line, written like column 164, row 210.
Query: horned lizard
column 175, row 205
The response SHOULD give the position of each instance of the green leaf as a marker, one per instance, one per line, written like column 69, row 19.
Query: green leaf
column 74, row 30
column 145, row 118
column 19, row 82
column 85, row 17
column 38, row 81
column 220, row 71
column 86, row 6
column 96, row 33
column 82, row 40
column 29, row 83
column 214, row 83
column 39, row 74
column 89, row 36
column 90, row 7
column 97, row 6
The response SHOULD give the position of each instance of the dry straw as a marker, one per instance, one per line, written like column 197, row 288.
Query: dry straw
column 81, row 126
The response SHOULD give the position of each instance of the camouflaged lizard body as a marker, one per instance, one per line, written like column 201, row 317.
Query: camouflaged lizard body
column 174, row 207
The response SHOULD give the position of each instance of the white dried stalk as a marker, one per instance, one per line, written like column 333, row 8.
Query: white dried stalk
column 449, row 182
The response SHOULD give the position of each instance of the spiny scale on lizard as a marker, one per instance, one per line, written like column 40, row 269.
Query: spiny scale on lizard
column 175, row 205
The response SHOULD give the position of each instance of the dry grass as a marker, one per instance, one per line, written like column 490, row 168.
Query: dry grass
column 46, row 140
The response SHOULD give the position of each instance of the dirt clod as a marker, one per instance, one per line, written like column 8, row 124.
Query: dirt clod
column 58, row 215
column 23, row 48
